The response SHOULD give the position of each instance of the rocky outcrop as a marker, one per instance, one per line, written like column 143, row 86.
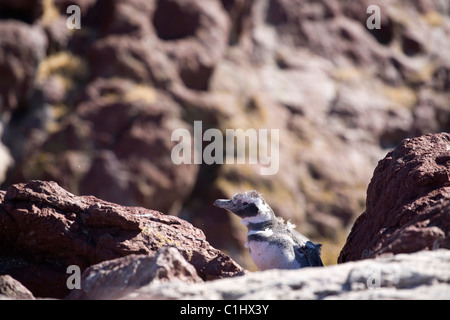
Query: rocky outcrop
column 408, row 202
column 44, row 229
column 423, row 275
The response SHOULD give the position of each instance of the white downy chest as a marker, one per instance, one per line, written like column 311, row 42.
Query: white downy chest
column 266, row 255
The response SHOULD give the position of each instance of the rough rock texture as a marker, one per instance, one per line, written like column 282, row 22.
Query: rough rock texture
column 13, row 289
column 93, row 109
column 408, row 202
column 44, row 229
column 423, row 275
column 114, row 279
column 22, row 48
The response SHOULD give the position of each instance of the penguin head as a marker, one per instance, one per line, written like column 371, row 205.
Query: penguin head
column 250, row 206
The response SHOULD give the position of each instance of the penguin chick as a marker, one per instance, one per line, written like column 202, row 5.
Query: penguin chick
column 273, row 244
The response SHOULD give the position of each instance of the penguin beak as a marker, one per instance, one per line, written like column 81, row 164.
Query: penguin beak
column 224, row 203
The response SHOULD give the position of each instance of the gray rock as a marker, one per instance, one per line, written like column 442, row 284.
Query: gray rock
column 422, row 275
column 10, row 288
column 115, row 278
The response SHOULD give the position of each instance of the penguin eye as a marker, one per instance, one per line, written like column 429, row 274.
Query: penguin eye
column 245, row 203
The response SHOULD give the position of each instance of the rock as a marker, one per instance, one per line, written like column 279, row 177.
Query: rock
column 13, row 289
column 110, row 57
column 194, row 35
column 184, row 40
column 22, row 47
column 408, row 202
column 339, row 95
column 114, row 279
column 20, row 10
column 116, row 146
column 106, row 98
column 46, row 229
column 422, row 275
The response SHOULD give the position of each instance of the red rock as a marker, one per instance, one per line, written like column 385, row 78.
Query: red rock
column 117, row 147
column 22, row 47
column 408, row 202
column 194, row 35
column 50, row 229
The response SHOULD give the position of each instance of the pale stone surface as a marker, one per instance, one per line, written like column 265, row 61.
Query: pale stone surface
column 422, row 275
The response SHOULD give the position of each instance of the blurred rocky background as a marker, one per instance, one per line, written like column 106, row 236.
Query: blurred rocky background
column 94, row 108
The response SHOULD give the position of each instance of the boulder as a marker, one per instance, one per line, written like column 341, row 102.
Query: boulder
column 408, row 202
column 422, row 275
column 114, row 279
column 10, row 288
column 22, row 47
column 45, row 229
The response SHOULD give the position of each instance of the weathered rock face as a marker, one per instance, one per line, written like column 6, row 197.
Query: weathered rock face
column 422, row 275
column 408, row 202
column 13, row 289
column 44, row 229
column 22, row 47
column 94, row 109
column 114, row 279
